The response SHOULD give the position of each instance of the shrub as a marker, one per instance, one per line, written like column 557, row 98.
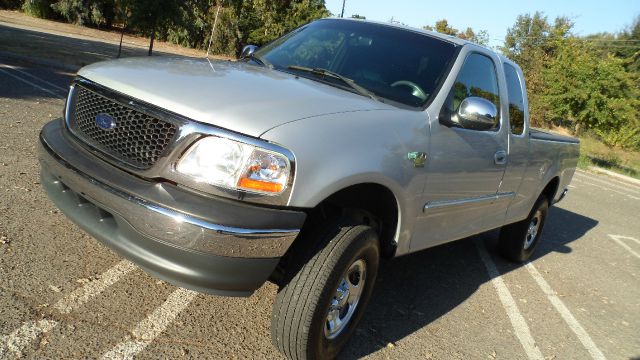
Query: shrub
column 38, row 8
column 10, row 4
column 82, row 12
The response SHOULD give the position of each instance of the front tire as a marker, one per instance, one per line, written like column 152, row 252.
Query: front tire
column 519, row 240
column 320, row 304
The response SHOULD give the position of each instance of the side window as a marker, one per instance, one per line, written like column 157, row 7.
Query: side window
column 476, row 78
column 516, row 100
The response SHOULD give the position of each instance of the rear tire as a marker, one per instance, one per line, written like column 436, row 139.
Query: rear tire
column 519, row 240
column 320, row 303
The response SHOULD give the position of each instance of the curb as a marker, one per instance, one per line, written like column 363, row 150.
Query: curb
column 40, row 61
column 614, row 174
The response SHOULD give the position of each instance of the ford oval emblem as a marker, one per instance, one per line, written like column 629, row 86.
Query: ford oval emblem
column 105, row 121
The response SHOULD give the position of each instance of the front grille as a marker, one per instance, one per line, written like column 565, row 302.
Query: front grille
column 137, row 139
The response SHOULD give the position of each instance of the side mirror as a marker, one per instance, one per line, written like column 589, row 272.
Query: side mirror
column 247, row 51
column 476, row 113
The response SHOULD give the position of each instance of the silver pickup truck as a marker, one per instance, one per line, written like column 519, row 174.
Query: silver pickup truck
column 304, row 163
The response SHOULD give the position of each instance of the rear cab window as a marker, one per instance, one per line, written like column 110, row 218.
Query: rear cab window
column 516, row 99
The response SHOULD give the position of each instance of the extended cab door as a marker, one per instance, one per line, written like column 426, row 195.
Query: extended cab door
column 464, row 166
column 518, row 146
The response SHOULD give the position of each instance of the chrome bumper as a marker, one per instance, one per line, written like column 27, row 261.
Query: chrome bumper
column 201, row 242
column 164, row 222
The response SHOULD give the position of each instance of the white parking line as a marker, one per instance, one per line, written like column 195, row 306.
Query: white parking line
column 517, row 320
column 618, row 239
column 610, row 182
column 151, row 327
column 81, row 295
column 14, row 68
column 13, row 345
column 32, row 84
column 608, row 189
column 575, row 326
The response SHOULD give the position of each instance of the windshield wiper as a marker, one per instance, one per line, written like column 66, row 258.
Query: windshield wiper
column 324, row 72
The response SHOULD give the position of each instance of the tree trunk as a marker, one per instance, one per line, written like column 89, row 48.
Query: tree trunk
column 153, row 35
column 124, row 26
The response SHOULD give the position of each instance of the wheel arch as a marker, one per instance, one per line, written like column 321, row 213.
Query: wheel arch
column 551, row 189
column 366, row 203
column 360, row 202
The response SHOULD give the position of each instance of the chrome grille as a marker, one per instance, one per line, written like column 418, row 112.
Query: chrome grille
column 137, row 139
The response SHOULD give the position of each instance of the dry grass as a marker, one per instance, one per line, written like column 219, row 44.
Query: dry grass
column 595, row 153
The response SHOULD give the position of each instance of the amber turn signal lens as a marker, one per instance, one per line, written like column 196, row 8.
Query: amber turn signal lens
column 260, row 185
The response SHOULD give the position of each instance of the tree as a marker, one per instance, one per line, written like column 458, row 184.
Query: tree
column 572, row 83
column 532, row 42
column 86, row 12
column 624, row 45
column 10, row 4
column 193, row 23
column 38, row 8
column 443, row 27
column 151, row 17
column 596, row 93
column 260, row 21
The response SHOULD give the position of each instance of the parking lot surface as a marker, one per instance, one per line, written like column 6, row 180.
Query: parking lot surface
column 63, row 295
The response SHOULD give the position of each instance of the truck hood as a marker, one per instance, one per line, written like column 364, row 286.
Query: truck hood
column 237, row 96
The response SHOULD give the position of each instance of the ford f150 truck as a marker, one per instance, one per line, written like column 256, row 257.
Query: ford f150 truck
column 304, row 163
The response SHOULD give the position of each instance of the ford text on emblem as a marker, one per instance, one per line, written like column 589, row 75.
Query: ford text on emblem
column 105, row 121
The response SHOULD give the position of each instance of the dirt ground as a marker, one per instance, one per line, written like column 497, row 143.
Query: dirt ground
column 71, row 46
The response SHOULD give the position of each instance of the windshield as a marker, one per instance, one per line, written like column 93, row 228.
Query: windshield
column 395, row 64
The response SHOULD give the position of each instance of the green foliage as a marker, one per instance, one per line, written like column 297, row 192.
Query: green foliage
column 442, row 26
column 38, row 8
column 96, row 13
column 576, row 82
column 532, row 42
column 594, row 93
column 10, row 4
column 260, row 21
column 149, row 18
column 625, row 44
column 193, row 26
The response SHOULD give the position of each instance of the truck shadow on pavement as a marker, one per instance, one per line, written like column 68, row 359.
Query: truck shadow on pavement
column 417, row 290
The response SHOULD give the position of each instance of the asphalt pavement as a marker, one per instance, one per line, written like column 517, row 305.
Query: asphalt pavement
column 63, row 295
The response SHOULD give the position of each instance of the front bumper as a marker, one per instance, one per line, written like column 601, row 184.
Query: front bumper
column 196, row 241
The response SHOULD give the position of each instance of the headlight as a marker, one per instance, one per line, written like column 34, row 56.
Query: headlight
column 232, row 164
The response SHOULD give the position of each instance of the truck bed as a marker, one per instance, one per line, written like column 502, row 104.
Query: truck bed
column 546, row 135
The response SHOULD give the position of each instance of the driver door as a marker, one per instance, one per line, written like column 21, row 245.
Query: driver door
column 465, row 166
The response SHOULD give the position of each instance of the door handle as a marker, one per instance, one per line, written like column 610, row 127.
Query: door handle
column 500, row 157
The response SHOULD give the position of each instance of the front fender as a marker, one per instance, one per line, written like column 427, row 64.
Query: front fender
column 336, row 151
